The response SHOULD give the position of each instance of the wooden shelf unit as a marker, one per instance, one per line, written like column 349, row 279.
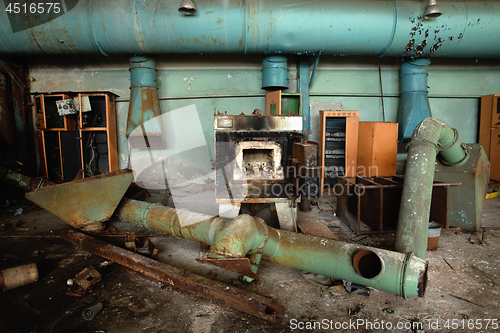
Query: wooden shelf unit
column 73, row 145
column 338, row 138
column 98, row 129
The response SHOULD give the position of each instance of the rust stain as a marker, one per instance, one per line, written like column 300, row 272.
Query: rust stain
column 219, row 21
column 196, row 40
column 410, row 45
column 241, row 40
column 215, row 40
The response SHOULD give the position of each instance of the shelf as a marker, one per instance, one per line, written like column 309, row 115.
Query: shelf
column 338, row 146
column 85, row 129
column 68, row 151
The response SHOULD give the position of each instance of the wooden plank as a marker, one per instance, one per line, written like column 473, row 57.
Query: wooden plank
column 313, row 226
column 322, row 124
column 351, row 145
column 485, row 122
column 111, row 127
column 273, row 97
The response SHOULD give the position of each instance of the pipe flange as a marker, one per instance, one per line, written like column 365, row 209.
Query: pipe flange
column 466, row 156
column 455, row 139
column 175, row 217
column 145, row 217
column 266, row 236
column 406, row 262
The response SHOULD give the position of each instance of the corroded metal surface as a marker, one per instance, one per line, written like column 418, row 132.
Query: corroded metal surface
column 246, row 235
column 217, row 292
column 86, row 201
column 261, row 27
column 431, row 136
column 466, row 206
column 241, row 266
column 374, row 202
column 143, row 123
column 22, row 181
column 315, row 227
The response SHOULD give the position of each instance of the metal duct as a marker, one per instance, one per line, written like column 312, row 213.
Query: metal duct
column 431, row 136
column 414, row 103
column 376, row 28
column 275, row 72
column 143, row 127
column 401, row 274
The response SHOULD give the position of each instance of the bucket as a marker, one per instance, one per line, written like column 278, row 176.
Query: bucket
column 433, row 236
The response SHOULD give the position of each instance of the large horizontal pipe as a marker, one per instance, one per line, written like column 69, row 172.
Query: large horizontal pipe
column 367, row 27
column 401, row 274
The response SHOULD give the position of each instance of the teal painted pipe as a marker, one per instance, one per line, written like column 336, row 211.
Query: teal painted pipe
column 431, row 136
column 334, row 27
column 304, row 83
column 275, row 72
column 401, row 274
column 143, row 127
column 414, row 102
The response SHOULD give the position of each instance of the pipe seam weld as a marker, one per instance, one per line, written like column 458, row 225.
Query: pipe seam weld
column 175, row 222
column 455, row 139
column 266, row 235
column 465, row 158
column 146, row 213
column 406, row 262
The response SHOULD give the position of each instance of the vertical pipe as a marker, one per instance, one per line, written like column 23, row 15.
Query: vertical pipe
column 414, row 103
column 275, row 72
column 304, row 90
column 431, row 136
column 144, row 128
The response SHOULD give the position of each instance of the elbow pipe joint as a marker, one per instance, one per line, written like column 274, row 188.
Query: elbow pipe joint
column 443, row 139
column 238, row 237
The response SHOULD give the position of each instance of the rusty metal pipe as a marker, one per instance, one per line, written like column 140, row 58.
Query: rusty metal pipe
column 430, row 137
column 397, row 273
column 22, row 181
column 144, row 129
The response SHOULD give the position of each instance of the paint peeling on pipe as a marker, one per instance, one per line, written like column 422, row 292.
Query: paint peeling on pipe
column 401, row 274
column 431, row 136
column 373, row 28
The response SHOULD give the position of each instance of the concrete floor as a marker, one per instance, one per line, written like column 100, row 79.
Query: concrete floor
column 462, row 290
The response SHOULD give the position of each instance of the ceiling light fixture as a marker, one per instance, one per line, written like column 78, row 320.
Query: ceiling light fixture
column 187, row 7
column 432, row 10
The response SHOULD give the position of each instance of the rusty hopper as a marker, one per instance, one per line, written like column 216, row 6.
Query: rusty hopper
column 84, row 203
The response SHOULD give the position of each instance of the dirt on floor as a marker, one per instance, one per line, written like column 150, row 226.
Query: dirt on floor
column 462, row 293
